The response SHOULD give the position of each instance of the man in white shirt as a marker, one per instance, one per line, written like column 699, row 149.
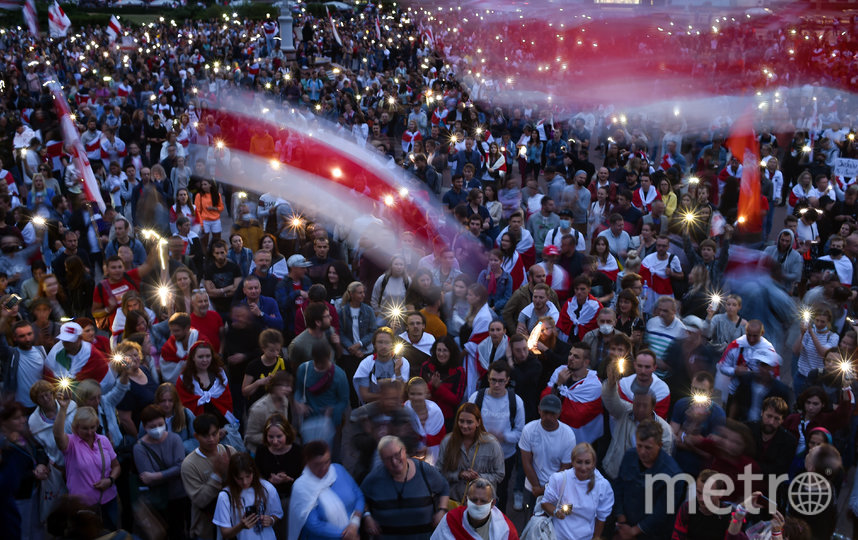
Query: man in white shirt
column 618, row 239
column 545, row 447
column 503, row 417
column 842, row 264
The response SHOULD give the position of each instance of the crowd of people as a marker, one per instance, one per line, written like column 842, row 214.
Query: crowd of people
column 195, row 361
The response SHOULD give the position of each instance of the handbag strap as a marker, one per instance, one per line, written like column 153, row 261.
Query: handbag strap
column 155, row 457
column 101, row 455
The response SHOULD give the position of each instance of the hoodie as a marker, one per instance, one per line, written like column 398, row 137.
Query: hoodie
column 790, row 262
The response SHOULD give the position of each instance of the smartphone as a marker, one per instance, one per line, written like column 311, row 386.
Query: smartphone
column 12, row 301
column 250, row 511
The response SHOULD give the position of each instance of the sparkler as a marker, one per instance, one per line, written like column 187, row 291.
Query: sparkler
column 397, row 349
column 851, row 136
column 219, row 144
column 533, row 338
column 689, row 218
column 621, row 365
column 806, row 148
column 39, row 221
column 241, row 195
column 118, row 359
column 403, row 192
column 337, row 172
column 806, row 315
column 64, row 383
column 693, row 180
column 388, row 200
column 162, row 243
column 566, row 508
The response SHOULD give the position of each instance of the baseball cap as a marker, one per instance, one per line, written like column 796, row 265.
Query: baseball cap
column 298, row 261
column 550, row 250
column 70, row 331
column 692, row 321
column 550, row 404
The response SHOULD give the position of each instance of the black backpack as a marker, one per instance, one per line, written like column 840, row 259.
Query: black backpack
column 513, row 405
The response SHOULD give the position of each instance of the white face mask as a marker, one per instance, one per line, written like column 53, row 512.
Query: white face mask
column 479, row 511
column 157, row 433
column 606, row 328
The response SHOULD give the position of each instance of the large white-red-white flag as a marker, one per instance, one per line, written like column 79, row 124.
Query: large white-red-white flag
column 71, row 138
column 333, row 27
column 114, row 28
column 58, row 22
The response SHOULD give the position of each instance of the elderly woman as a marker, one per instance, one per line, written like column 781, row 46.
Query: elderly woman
column 88, row 394
column 91, row 464
column 326, row 502
column 469, row 452
column 25, row 463
column 276, row 401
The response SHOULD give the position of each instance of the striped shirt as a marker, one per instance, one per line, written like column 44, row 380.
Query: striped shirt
column 659, row 336
column 809, row 358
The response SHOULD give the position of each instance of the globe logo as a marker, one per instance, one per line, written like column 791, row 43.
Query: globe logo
column 810, row 493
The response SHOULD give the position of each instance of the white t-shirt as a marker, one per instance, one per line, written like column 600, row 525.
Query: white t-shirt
column 495, row 413
column 550, row 449
column 227, row 516
column 355, row 312
column 31, row 364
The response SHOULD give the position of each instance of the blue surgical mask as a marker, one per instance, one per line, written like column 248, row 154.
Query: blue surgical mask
column 565, row 224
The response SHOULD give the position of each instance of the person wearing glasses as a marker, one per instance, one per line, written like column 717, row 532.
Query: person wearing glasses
column 503, row 416
column 405, row 498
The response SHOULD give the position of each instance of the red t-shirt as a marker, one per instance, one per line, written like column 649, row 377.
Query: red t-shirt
column 130, row 282
column 208, row 327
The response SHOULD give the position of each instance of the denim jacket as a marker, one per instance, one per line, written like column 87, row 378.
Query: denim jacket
column 366, row 326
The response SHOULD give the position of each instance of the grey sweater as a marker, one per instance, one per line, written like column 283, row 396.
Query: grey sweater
column 171, row 452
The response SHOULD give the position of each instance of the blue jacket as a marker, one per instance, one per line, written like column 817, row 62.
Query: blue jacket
column 286, row 295
column 366, row 326
column 242, row 259
column 461, row 157
column 504, row 289
column 270, row 313
column 629, row 499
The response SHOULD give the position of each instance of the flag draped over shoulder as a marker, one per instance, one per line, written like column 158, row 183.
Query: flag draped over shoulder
column 743, row 144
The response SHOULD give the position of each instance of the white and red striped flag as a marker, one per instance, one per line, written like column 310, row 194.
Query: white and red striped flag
column 58, row 22
column 30, row 17
column 72, row 138
column 377, row 27
column 114, row 28
column 333, row 27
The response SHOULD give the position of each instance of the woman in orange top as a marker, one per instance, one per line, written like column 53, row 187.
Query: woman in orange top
column 209, row 205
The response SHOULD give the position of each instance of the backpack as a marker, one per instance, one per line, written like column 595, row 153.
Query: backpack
column 513, row 404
